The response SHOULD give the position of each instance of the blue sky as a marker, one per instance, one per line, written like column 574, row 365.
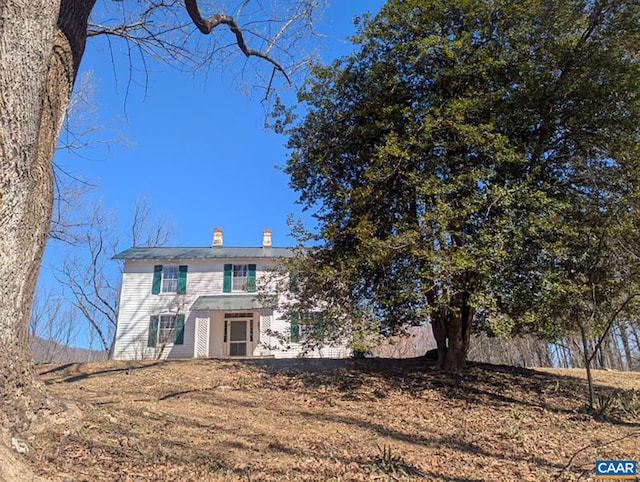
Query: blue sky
column 196, row 147
column 199, row 149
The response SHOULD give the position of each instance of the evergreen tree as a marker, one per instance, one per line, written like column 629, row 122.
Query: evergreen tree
column 461, row 164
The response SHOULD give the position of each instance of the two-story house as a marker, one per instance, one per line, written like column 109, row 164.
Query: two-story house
column 205, row 302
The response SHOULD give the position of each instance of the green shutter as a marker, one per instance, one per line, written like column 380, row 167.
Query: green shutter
column 153, row 331
column 251, row 279
column 293, row 282
column 295, row 326
column 182, row 279
column 157, row 279
column 178, row 339
column 317, row 318
column 228, row 272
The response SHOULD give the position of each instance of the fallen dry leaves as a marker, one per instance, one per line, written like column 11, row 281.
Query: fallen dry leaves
column 322, row 420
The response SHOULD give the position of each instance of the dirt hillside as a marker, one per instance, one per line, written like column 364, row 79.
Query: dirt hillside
column 254, row 420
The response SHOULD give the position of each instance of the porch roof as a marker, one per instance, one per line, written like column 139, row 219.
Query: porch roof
column 226, row 303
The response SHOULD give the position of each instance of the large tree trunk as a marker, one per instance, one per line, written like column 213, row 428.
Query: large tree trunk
column 27, row 30
column 452, row 331
column 41, row 43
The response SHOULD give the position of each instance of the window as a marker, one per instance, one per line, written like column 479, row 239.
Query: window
column 239, row 278
column 165, row 329
column 304, row 325
column 169, row 279
column 240, row 272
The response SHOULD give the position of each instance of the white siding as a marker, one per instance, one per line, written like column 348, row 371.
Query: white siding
column 204, row 278
column 292, row 350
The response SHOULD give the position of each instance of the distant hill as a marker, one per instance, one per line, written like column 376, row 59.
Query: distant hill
column 48, row 351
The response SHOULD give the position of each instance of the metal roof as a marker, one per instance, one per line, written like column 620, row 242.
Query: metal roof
column 226, row 303
column 204, row 253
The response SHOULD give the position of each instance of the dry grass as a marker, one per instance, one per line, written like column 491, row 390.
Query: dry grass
column 209, row 420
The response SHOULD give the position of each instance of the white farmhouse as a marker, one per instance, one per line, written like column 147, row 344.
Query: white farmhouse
column 204, row 302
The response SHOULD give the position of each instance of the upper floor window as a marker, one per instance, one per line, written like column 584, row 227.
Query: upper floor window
column 169, row 279
column 239, row 278
column 240, row 272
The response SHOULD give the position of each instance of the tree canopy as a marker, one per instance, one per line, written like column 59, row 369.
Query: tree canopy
column 469, row 165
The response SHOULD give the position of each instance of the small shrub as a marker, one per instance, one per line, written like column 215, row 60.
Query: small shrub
column 514, row 430
column 360, row 354
column 243, row 381
column 388, row 462
column 618, row 404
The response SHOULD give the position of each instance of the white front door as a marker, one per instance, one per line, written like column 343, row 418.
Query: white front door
column 238, row 334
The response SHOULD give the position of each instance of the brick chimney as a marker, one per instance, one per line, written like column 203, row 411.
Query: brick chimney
column 266, row 238
column 217, row 237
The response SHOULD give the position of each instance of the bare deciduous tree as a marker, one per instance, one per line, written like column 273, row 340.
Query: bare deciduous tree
column 86, row 275
column 52, row 327
column 89, row 277
column 42, row 43
column 147, row 231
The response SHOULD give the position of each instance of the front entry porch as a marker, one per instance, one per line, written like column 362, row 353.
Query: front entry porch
column 228, row 326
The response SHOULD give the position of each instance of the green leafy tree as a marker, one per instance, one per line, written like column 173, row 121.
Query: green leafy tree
column 456, row 161
column 597, row 280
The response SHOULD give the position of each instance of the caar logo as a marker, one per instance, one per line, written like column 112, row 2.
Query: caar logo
column 616, row 469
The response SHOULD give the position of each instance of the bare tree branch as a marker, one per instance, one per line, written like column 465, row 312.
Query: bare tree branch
column 207, row 25
column 88, row 275
column 144, row 231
